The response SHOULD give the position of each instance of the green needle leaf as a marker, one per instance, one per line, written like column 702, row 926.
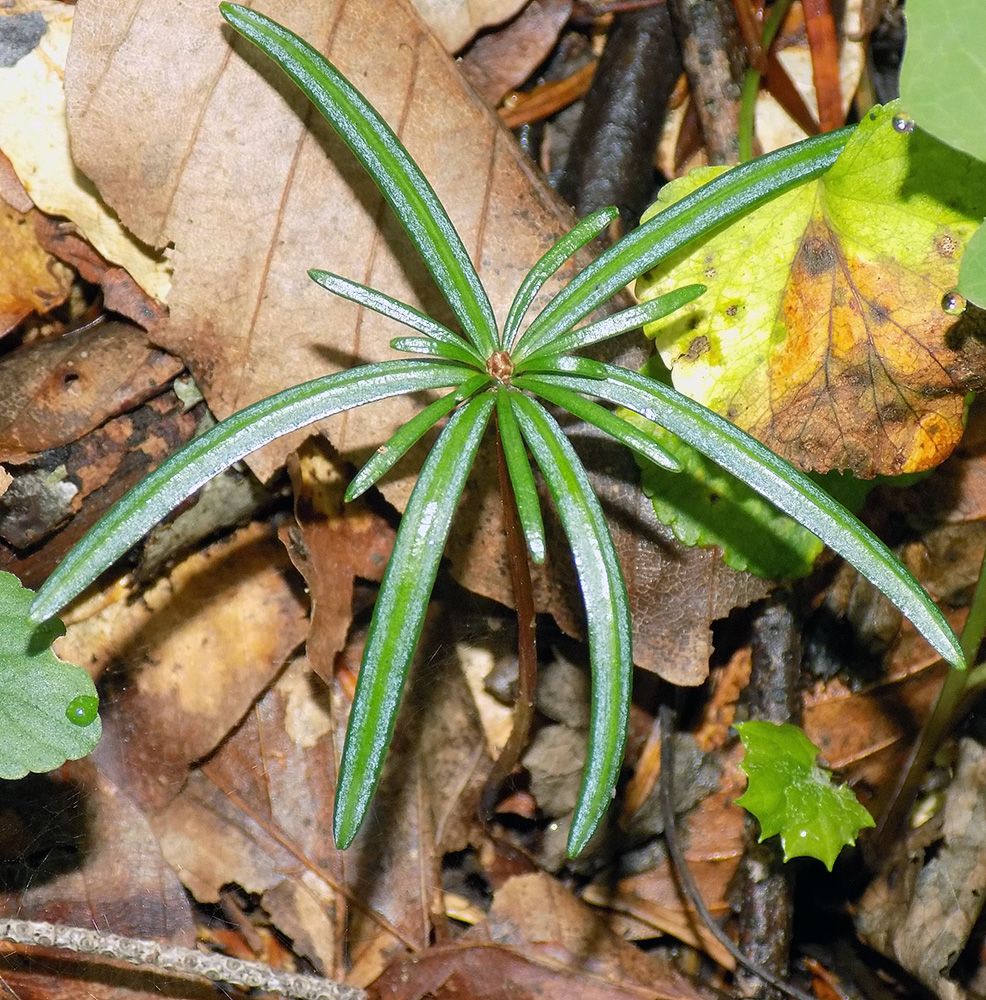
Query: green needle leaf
column 389, row 164
column 627, row 319
column 47, row 707
column 792, row 795
column 586, row 231
column 607, row 611
column 393, row 309
column 592, row 413
column 437, row 349
column 400, row 611
column 155, row 496
column 777, row 480
column 521, row 477
column 387, row 456
column 695, row 216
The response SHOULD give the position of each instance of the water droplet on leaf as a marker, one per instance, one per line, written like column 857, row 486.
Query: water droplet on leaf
column 903, row 123
column 953, row 303
column 82, row 710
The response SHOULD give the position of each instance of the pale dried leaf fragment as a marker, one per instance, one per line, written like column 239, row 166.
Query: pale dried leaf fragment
column 921, row 914
column 454, row 22
column 34, row 137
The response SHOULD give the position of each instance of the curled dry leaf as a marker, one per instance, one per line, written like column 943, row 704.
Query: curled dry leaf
column 331, row 544
column 921, row 914
column 31, row 280
column 502, row 60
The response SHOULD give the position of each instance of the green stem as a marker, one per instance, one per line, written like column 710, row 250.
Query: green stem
column 958, row 690
column 520, row 579
column 751, row 83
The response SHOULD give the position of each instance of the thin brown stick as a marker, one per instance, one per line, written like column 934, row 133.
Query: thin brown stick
column 683, row 874
column 175, row 959
column 520, row 578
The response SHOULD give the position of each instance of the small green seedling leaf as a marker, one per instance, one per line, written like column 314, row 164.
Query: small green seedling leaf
column 790, row 794
column 48, row 708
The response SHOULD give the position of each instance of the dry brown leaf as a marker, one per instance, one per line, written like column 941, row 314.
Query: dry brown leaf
column 100, row 467
column 331, row 544
column 11, row 189
column 54, row 392
column 713, row 841
column 538, row 941
column 189, row 659
column 5, row 480
column 921, row 912
column 259, row 814
column 31, row 280
column 502, row 60
column 34, row 137
column 121, row 294
column 100, row 866
column 250, row 209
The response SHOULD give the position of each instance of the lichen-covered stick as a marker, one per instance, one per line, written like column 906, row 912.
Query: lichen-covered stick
column 172, row 958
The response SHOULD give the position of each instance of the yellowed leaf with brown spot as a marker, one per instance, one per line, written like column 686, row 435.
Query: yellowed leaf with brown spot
column 830, row 329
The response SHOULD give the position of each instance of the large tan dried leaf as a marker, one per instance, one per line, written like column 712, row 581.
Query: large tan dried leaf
column 259, row 814
column 539, row 941
column 34, row 137
column 228, row 163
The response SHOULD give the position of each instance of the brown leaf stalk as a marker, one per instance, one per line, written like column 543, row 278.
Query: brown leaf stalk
column 520, row 578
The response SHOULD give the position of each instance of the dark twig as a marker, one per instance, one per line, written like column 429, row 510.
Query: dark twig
column 766, row 912
column 611, row 159
column 683, row 874
column 710, row 40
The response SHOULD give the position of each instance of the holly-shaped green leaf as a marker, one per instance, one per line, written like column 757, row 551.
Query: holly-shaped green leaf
column 48, row 708
column 792, row 795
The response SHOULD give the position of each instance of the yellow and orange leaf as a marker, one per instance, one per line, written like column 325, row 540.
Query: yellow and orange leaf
column 830, row 330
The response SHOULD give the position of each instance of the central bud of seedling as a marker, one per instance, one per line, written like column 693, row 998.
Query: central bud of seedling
column 500, row 366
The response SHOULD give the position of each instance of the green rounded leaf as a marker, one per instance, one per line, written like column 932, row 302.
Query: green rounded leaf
column 943, row 75
column 48, row 708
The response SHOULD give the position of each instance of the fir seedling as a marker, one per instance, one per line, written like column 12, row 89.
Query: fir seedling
column 501, row 376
